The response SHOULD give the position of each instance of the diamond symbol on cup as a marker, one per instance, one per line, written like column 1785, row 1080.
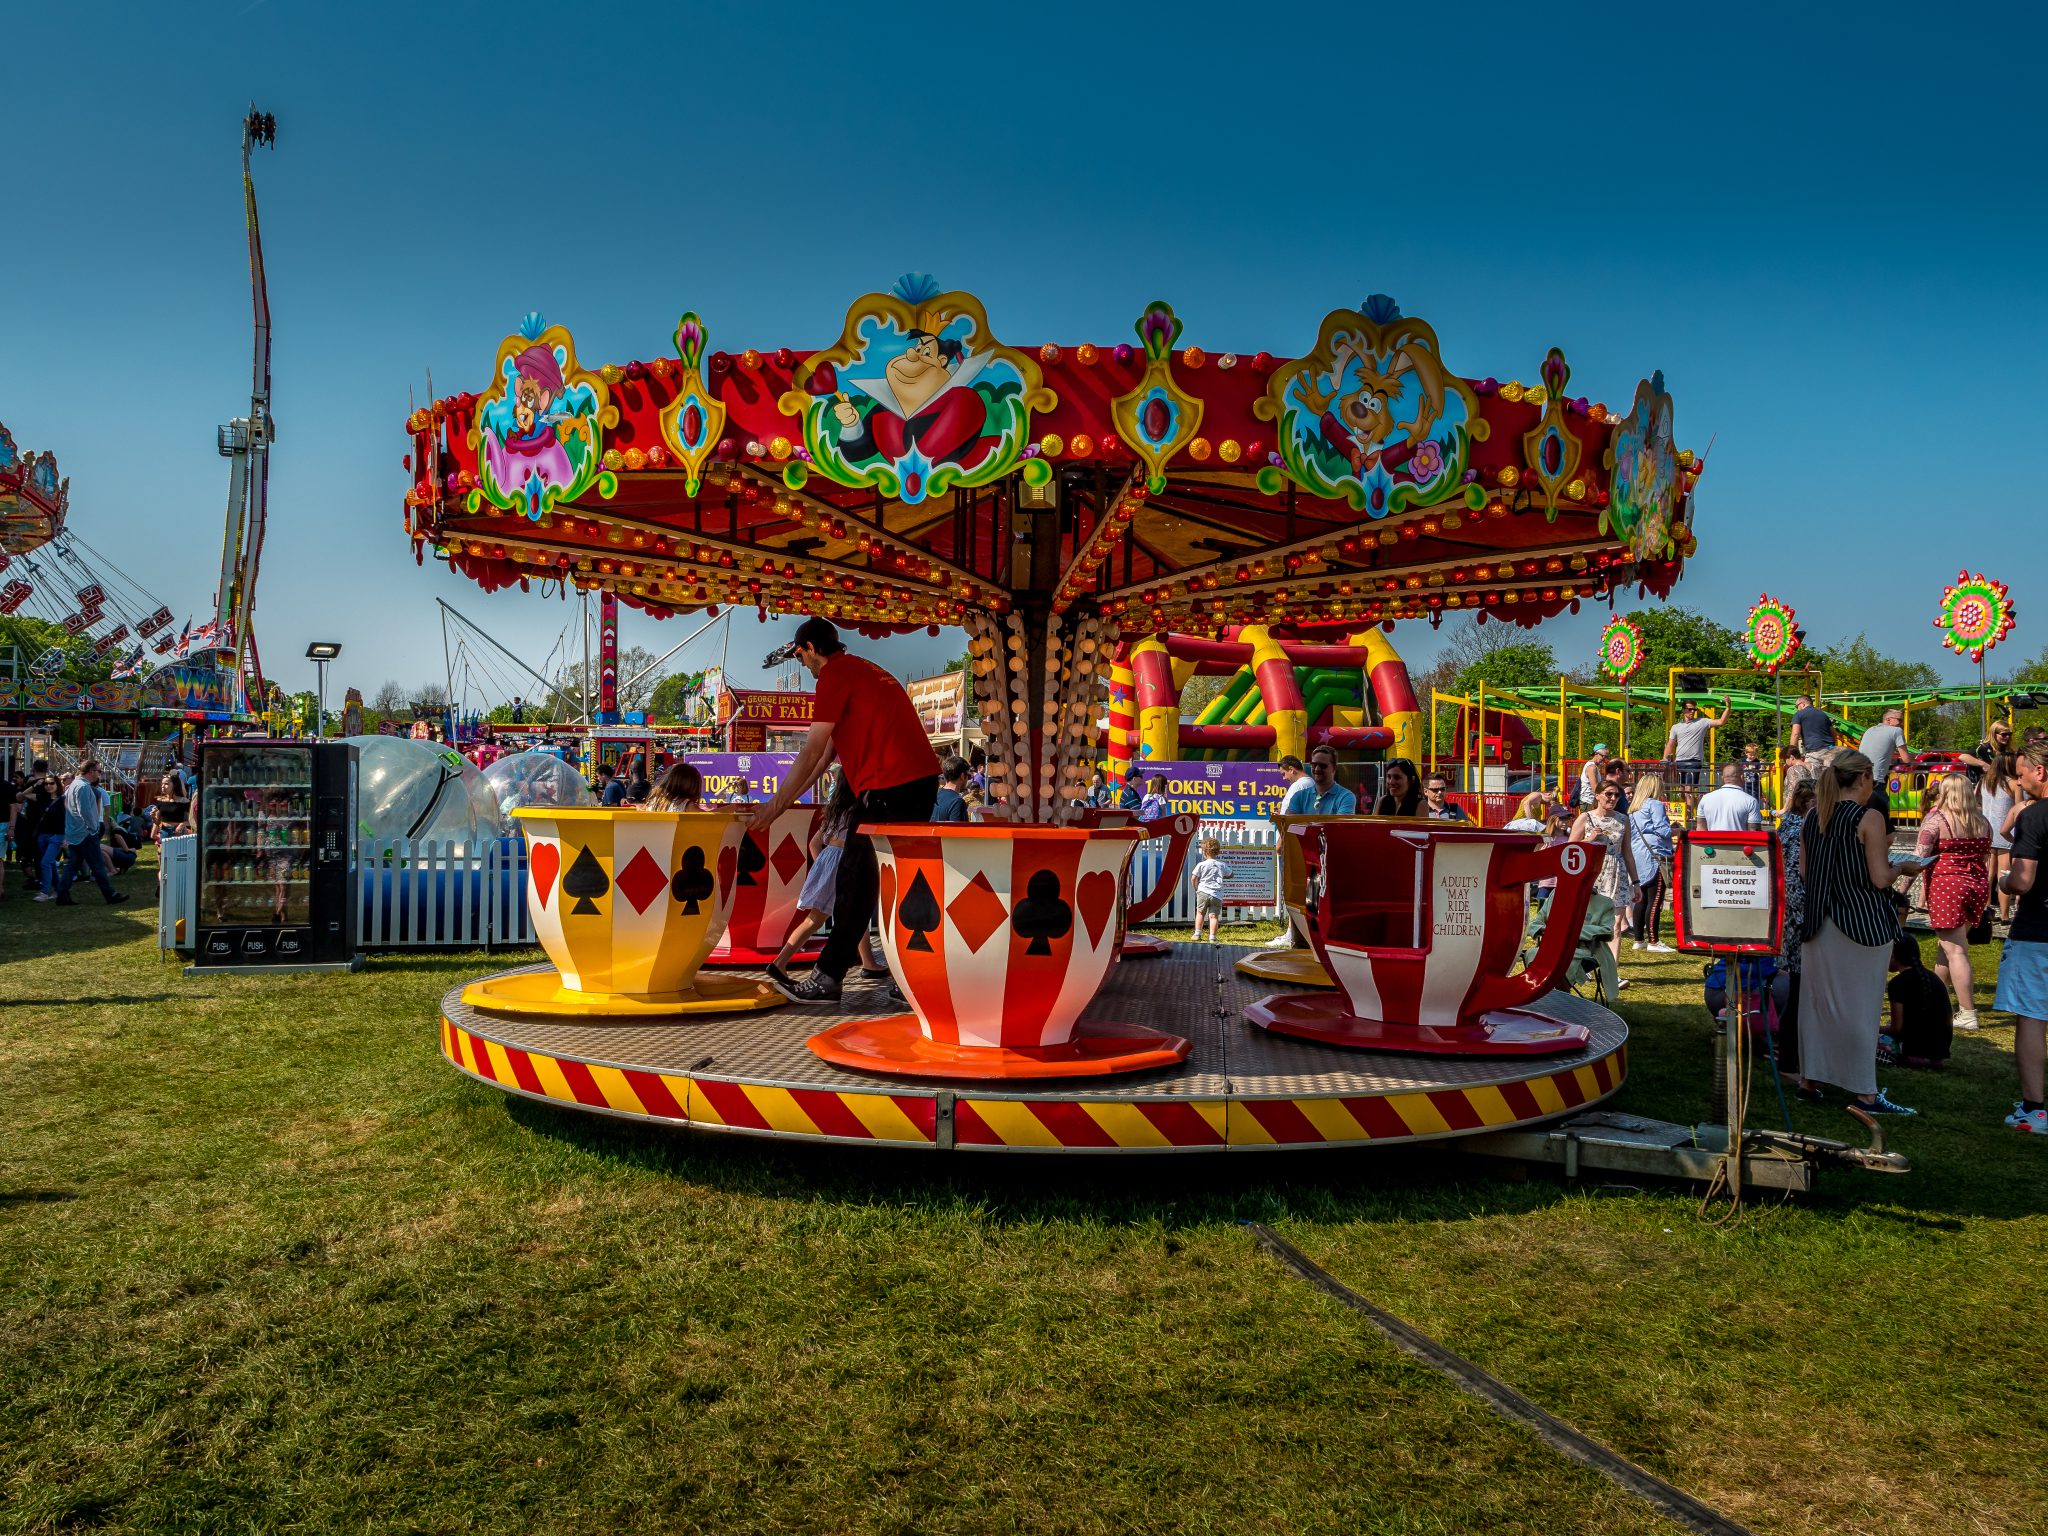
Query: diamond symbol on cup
column 642, row 881
column 977, row 911
column 788, row 858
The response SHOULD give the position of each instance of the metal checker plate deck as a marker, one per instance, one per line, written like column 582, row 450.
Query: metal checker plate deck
column 1240, row 1087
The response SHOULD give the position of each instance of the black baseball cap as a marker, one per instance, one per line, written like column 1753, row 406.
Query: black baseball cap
column 819, row 634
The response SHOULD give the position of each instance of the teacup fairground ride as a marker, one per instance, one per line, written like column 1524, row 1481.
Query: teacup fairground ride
column 1179, row 831
column 1419, row 924
column 1000, row 937
column 773, row 864
column 912, row 471
column 628, row 905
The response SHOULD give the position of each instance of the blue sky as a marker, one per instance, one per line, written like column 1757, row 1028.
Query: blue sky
column 1824, row 224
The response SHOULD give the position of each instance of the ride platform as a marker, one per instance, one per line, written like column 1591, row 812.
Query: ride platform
column 1240, row 1089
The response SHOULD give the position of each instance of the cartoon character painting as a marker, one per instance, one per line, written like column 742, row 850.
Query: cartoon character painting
column 540, row 431
column 917, row 397
column 1644, row 494
column 1372, row 415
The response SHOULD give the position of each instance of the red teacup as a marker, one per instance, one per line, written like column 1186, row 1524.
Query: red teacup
column 773, row 862
column 1000, row 935
column 1419, row 924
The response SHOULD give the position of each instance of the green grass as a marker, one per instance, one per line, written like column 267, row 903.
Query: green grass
column 267, row 1264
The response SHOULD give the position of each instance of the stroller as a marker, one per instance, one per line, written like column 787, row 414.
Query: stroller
column 1592, row 963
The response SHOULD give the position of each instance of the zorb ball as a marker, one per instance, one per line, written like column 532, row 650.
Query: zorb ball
column 421, row 791
column 534, row 778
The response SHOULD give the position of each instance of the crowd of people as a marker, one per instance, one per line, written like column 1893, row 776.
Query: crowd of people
column 1851, row 984
column 60, row 827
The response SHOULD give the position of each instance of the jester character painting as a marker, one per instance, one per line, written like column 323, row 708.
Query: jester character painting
column 530, row 457
column 538, row 436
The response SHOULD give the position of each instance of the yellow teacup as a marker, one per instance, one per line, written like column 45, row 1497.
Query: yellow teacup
column 627, row 904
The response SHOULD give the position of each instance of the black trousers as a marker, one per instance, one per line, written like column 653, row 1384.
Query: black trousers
column 854, row 897
column 1788, row 1031
column 1650, row 909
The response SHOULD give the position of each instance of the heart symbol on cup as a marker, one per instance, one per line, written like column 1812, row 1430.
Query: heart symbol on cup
column 544, row 860
column 888, row 894
column 1096, row 897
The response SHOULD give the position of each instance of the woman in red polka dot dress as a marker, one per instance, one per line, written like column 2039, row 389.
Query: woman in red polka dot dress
column 1954, row 832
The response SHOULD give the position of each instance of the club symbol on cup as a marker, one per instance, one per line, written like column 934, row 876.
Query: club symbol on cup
column 693, row 882
column 1041, row 916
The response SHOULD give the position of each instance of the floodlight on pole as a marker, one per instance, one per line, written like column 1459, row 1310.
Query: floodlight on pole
column 321, row 652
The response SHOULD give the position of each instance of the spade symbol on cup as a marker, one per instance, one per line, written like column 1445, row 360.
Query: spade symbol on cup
column 586, row 879
column 919, row 913
column 752, row 859
column 692, row 883
column 1041, row 916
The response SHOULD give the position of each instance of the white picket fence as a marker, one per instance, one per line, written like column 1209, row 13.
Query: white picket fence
column 1241, row 842
column 433, row 895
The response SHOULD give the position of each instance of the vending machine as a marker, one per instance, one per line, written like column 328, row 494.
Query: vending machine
column 276, row 825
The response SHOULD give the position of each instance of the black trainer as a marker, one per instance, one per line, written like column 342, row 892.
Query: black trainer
column 118, row 896
column 875, row 972
column 814, row 988
column 778, row 977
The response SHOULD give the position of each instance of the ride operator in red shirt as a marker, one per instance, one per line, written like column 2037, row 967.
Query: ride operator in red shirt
column 865, row 716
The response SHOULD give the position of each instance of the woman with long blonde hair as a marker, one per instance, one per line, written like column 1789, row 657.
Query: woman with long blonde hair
column 1650, row 847
column 1955, row 835
column 1847, row 936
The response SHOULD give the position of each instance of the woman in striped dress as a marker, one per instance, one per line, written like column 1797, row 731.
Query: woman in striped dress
column 1847, row 934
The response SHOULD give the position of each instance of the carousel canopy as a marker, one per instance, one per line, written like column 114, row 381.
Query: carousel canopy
column 33, row 498
column 916, row 470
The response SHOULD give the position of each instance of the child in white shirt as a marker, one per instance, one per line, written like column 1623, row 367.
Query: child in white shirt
column 1208, row 877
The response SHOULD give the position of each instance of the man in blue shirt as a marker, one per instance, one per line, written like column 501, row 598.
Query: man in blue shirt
column 1327, row 797
column 950, row 804
column 85, row 813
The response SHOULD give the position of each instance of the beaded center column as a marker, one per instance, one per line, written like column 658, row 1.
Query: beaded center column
column 1034, row 685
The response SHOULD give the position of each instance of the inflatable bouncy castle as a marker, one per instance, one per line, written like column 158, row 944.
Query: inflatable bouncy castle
column 1283, row 696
